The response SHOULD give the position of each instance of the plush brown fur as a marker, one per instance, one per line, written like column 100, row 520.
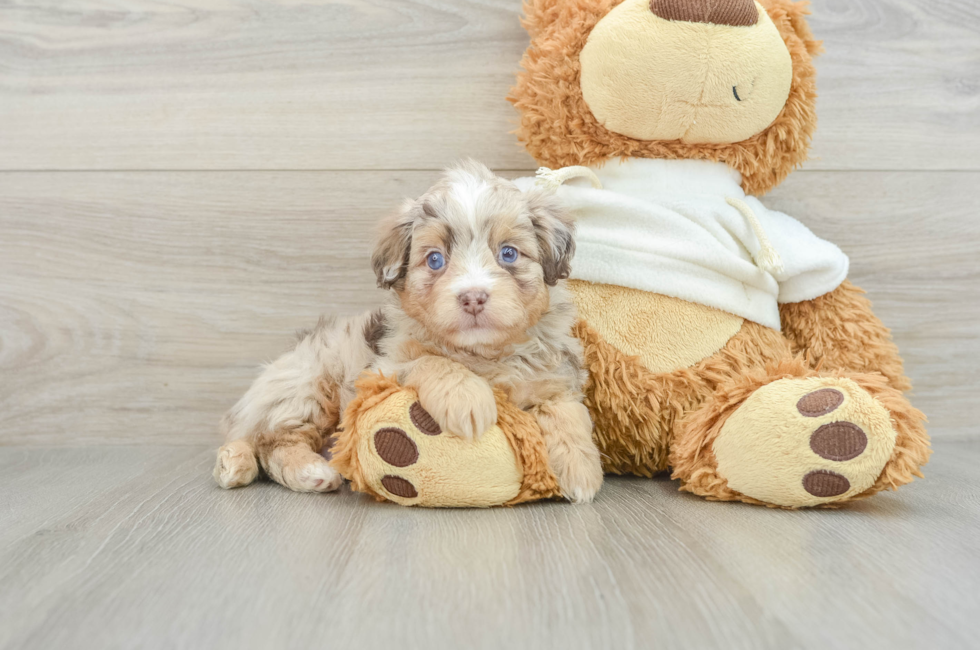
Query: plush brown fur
column 646, row 422
column 559, row 130
column 636, row 411
column 840, row 332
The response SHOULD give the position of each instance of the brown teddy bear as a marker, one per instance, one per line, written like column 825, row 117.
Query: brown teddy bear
column 723, row 339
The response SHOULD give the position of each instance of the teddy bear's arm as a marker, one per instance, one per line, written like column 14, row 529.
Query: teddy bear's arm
column 839, row 331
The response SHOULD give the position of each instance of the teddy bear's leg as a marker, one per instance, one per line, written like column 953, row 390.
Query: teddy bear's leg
column 839, row 331
column 793, row 437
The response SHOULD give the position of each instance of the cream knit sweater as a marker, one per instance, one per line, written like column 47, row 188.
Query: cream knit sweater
column 685, row 228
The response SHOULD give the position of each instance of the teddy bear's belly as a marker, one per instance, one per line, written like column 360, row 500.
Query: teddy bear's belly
column 666, row 333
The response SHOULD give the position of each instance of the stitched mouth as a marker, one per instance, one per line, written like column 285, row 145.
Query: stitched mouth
column 743, row 90
column 702, row 105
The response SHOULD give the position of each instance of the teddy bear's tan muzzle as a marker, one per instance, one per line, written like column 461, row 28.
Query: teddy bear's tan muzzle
column 680, row 77
column 737, row 13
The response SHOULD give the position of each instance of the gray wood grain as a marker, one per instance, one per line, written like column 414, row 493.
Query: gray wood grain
column 390, row 84
column 136, row 547
column 137, row 307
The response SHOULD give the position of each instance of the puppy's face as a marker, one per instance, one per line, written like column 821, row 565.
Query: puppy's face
column 471, row 259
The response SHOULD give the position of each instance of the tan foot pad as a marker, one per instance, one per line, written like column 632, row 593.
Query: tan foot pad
column 805, row 442
column 392, row 448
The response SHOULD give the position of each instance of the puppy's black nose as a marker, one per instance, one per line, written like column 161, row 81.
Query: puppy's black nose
column 473, row 301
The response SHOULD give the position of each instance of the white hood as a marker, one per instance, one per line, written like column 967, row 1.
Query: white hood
column 670, row 227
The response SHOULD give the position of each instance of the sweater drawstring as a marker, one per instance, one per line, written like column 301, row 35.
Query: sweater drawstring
column 552, row 179
column 767, row 258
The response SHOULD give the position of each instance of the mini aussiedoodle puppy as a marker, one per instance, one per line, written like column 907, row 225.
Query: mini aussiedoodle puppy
column 476, row 267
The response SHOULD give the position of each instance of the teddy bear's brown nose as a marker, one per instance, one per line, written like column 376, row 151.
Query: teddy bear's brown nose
column 737, row 13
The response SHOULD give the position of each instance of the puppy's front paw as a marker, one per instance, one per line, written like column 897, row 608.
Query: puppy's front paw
column 573, row 455
column 465, row 408
column 579, row 472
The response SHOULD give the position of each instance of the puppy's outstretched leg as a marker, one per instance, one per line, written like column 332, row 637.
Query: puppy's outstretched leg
column 574, row 457
column 290, row 456
column 285, row 417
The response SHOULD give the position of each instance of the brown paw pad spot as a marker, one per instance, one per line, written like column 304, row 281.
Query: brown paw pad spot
column 395, row 447
column 423, row 421
column 822, row 483
column 399, row 487
column 838, row 441
column 820, row 402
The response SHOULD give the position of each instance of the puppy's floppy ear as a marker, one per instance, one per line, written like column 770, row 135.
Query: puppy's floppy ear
column 391, row 252
column 555, row 231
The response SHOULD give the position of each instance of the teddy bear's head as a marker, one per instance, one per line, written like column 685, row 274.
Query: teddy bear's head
column 721, row 80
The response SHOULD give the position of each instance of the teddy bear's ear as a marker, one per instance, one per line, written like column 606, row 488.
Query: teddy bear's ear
column 539, row 14
column 795, row 13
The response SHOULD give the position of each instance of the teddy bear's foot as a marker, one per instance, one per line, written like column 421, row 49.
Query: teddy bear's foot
column 805, row 442
column 801, row 441
column 404, row 456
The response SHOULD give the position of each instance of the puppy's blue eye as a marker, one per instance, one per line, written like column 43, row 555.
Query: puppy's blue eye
column 435, row 260
column 508, row 254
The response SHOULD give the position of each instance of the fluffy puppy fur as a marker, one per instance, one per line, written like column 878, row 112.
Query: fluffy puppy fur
column 475, row 267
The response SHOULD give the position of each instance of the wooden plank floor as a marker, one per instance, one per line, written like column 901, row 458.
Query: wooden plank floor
column 135, row 547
